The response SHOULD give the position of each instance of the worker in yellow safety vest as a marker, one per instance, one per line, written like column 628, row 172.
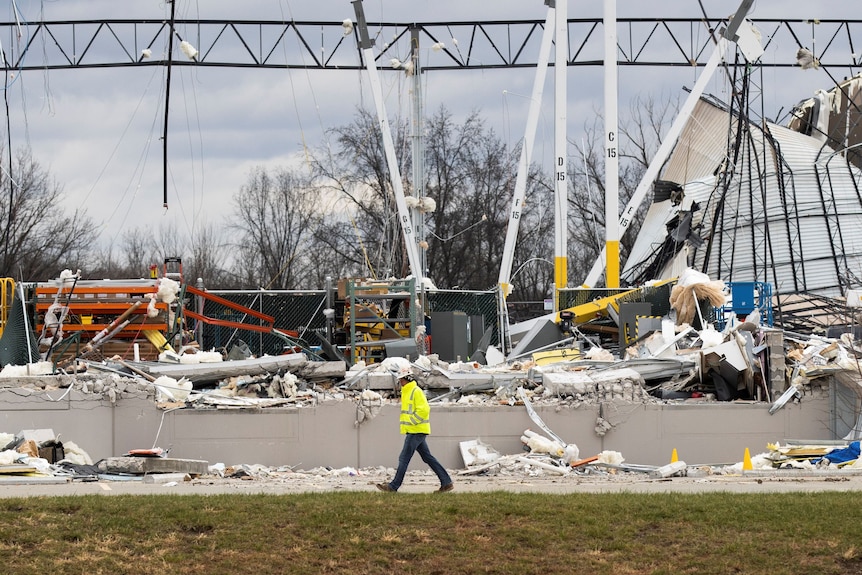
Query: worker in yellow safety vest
column 415, row 426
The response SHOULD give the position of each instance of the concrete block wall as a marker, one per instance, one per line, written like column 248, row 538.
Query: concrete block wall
column 328, row 436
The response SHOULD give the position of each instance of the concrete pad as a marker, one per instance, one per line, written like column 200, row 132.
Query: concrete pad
column 147, row 465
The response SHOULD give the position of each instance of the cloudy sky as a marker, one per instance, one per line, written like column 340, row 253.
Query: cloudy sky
column 98, row 130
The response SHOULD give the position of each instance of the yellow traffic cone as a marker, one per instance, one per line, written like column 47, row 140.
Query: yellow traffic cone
column 673, row 456
column 746, row 461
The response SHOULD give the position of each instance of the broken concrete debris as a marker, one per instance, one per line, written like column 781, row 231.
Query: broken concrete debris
column 543, row 457
column 667, row 362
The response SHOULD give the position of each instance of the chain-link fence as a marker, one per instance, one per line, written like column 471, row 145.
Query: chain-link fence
column 300, row 316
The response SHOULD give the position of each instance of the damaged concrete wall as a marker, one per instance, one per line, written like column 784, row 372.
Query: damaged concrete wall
column 326, row 435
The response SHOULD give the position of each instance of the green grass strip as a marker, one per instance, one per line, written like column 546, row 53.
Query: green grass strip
column 498, row 532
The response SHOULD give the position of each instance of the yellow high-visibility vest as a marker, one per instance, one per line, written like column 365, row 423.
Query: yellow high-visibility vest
column 414, row 410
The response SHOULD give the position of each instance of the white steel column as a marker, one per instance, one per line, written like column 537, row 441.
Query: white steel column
column 526, row 152
column 612, row 201
column 561, row 58
column 391, row 161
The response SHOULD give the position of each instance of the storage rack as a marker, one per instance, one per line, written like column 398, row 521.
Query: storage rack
column 370, row 330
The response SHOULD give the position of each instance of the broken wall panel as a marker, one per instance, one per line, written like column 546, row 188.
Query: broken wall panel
column 326, row 435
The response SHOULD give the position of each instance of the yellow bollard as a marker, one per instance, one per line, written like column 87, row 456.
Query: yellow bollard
column 673, row 456
column 746, row 461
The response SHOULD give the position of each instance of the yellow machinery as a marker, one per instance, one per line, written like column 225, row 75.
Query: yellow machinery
column 7, row 293
column 609, row 305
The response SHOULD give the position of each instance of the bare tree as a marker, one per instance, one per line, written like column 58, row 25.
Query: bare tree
column 209, row 257
column 138, row 251
column 366, row 225
column 640, row 138
column 276, row 215
column 40, row 235
column 471, row 176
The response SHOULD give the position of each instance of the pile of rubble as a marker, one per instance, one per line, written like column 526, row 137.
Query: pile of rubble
column 40, row 455
column 37, row 456
column 704, row 366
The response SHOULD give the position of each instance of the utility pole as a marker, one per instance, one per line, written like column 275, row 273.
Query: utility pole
column 418, row 150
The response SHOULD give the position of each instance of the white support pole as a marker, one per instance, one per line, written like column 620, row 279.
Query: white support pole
column 418, row 149
column 526, row 154
column 561, row 187
column 612, row 202
column 388, row 146
column 661, row 154
column 669, row 141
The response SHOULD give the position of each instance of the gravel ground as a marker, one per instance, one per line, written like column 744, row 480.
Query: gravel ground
column 332, row 481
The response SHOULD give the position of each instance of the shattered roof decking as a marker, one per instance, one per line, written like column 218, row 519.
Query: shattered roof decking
column 780, row 208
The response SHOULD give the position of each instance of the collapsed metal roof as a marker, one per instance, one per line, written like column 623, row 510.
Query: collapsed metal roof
column 759, row 203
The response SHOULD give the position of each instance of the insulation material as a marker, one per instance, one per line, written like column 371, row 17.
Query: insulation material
column 571, row 454
column 9, row 457
column 428, row 205
column 806, row 60
column 611, row 458
column 477, row 452
column 29, row 448
column 190, row 51
column 201, row 357
column 76, row 455
column 710, row 338
column 599, row 354
column 370, row 404
column 693, row 287
column 167, row 290
column 169, row 389
column 285, row 385
column 541, row 444
column 38, row 368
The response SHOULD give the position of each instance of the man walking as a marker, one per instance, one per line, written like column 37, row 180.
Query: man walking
column 415, row 426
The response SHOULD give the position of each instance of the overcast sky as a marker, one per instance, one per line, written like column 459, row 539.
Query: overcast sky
column 98, row 130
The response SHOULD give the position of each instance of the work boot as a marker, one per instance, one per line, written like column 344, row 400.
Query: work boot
column 445, row 488
column 385, row 487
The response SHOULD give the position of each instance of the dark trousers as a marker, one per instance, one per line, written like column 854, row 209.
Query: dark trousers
column 414, row 442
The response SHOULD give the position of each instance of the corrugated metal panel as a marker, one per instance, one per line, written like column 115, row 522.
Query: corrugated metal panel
column 791, row 214
column 701, row 146
column 806, row 241
column 654, row 229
